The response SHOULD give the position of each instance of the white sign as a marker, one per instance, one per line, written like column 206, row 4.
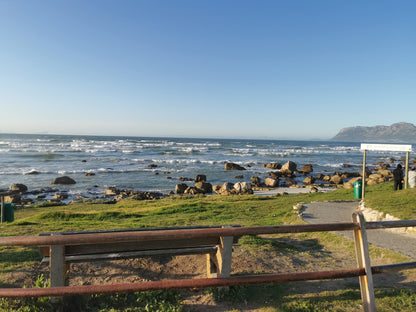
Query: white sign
column 386, row 147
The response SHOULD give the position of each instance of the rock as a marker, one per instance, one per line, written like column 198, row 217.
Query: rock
column 216, row 188
column 336, row 179
column 21, row 188
column 286, row 173
column 63, row 180
column 314, row 189
column 385, row 173
column 270, row 182
column 200, row 178
column 60, row 196
column 191, row 191
column 152, row 166
column 14, row 199
column 307, row 168
column 224, row 189
column 290, row 165
column 32, row 172
column 275, row 175
column 111, row 191
column 309, row 180
column 182, row 179
column 243, row 188
column 273, row 166
column 255, row 181
column 203, row 187
column 346, row 165
column 180, row 188
column 146, row 195
column 233, row 166
column 239, row 177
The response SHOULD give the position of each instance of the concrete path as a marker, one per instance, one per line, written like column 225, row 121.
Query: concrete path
column 332, row 212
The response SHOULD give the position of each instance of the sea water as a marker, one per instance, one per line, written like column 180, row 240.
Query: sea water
column 158, row 164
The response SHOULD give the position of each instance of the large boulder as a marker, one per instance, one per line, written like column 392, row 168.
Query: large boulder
column 224, row 189
column 307, row 168
column 255, row 181
column 309, row 180
column 203, row 187
column 243, row 188
column 63, row 180
column 111, row 191
column 21, row 188
column 233, row 166
column 336, row 179
column 290, row 165
column 270, row 182
column 385, row 173
column 273, row 166
column 200, row 178
column 180, row 188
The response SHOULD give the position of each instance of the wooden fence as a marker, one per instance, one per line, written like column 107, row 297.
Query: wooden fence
column 358, row 225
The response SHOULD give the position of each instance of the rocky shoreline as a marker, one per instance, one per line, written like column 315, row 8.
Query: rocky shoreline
column 279, row 176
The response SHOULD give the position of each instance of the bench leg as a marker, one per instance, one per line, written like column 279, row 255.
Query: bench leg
column 57, row 266
column 219, row 265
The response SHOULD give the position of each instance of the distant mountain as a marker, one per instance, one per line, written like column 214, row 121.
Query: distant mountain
column 401, row 132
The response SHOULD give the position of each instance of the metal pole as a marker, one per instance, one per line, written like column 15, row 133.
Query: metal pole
column 363, row 178
column 2, row 208
column 406, row 179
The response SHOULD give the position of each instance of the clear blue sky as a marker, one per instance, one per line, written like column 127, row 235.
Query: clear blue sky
column 246, row 69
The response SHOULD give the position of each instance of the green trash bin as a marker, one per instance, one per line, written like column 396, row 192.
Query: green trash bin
column 358, row 189
column 8, row 212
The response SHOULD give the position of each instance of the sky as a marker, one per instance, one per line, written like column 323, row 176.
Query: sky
column 298, row 69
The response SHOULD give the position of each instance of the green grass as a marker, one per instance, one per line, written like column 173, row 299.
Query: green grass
column 214, row 210
column 401, row 203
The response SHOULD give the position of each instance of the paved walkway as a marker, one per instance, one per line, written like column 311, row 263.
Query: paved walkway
column 332, row 212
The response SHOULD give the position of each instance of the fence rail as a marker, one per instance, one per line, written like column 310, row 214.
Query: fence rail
column 358, row 225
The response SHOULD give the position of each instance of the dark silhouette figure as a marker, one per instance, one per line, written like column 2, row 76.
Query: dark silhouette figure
column 398, row 177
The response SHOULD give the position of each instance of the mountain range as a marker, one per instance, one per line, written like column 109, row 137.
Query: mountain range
column 401, row 132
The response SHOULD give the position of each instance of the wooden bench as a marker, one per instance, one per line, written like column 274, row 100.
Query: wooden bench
column 217, row 248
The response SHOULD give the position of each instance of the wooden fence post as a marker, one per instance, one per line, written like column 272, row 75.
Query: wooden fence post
column 363, row 260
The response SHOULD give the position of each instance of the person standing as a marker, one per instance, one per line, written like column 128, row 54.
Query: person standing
column 412, row 178
column 398, row 177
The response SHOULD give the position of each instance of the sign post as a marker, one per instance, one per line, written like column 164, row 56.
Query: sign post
column 386, row 147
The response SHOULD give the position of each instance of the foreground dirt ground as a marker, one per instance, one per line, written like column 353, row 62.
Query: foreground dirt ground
column 293, row 254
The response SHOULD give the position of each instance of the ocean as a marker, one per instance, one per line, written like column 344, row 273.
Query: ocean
column 157, row 164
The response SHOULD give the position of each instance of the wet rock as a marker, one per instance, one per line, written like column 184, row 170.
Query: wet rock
column 111, row 191
column 290, row 165
column 233, row 166
column 65, row 180
column 255, row 181
column 273, row 166
column 21, row 188
column 309, row 180
column 307, row 168
column 61, row 196
column 200, row 178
